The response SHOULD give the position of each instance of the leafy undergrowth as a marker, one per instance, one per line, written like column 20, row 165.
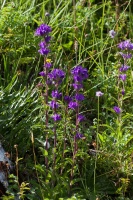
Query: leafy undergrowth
column 79, row 147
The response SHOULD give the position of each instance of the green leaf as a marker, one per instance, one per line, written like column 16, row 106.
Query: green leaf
column 44, row 151
column 68, row 45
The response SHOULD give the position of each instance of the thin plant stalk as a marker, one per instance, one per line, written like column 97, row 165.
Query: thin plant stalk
column 55, row 127
column 55, row 141
column 95, row 166
column 117, row 13
column 65, row 135
column 16, row 148
column 75, row 148
column 46, row 111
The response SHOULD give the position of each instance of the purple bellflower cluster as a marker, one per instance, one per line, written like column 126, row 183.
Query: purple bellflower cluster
column 126, row 47
column 51, row 77
column 43, row 30
column 79, row 74
column 56, row 76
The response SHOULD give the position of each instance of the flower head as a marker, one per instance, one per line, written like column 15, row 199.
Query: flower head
column 44, row 51
column 53, row 104
column 73, row 105
column 42, row 30
column 49, row 82
column 47, row 38
column 42, row 44
column 79, row 135
column 125, row 45
column 42, row 73
column 79, row 73
column 123, row 92
column 124, row 68
column 56, row 94
column 67, row 99
column 123, row 77
column 77, row 86
column 79, row 97
column 125, row 55
column 117, row 109
column 56, row 117
column 56, row 75
column 47, row 65
column 99, row 94
column 112, row 33
column 81, row 118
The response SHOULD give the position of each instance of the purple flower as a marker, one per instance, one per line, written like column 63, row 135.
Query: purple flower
column 81, row 117
column 47, row 65
column 53, row 104
column 42, row 45
column 47, row 38
column 49, row 82
column 112, row 33
column 123, row 92
column 43, row 51
column 56, row 117
column 79, row 73
column 125, row 45
column 79, row 97
column 124, row 68
column 78, row 135
column 56, row 94
column 42, row 30
column 73, row 105
column 117, row 109
column 125, row 55
column 123, row 77
column 99, row 93
column 56, row 75
column 42, row 73
column 77, row 86
column 67, row 99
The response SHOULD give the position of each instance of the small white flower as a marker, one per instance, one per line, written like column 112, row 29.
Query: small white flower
column 99, row 94
column 112, row 33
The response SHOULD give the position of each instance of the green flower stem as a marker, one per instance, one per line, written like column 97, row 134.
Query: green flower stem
column 65, row 136
column 46, row 112
column 95, row 166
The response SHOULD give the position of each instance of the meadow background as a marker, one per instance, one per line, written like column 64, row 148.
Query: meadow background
column 103, row 164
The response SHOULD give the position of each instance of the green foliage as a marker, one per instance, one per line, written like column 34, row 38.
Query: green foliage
column 79, row 37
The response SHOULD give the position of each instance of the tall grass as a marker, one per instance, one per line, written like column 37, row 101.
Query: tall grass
column 102, row 166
